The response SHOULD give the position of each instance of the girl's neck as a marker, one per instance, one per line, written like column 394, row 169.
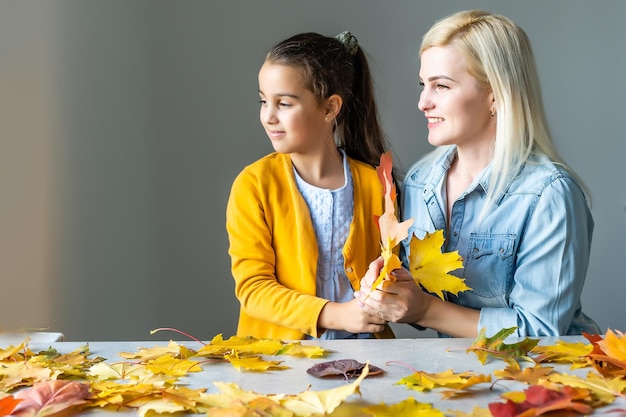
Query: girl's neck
column 323, row 170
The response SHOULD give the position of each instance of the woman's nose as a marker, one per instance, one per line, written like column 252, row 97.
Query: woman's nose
column 424, row 102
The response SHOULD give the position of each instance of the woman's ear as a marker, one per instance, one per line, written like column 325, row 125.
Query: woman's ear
column 333, row 107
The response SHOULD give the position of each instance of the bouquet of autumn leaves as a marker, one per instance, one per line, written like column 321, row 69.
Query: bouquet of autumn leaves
column 428, row 265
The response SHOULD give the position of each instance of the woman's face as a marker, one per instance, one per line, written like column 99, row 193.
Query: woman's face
column 457, row 108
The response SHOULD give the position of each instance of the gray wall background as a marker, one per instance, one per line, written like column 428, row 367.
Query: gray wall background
column 122, row 125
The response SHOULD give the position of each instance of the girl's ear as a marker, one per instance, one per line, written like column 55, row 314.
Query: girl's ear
column 333, row 107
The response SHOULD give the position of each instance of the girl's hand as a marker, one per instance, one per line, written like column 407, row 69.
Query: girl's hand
column 349, row 316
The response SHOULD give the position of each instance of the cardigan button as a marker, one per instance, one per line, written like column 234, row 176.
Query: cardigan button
column 348, row 269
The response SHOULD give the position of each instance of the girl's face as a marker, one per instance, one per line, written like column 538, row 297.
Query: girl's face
column 291, row 115
column 457, row 109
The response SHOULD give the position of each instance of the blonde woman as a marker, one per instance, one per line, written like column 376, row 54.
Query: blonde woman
column 508, row 203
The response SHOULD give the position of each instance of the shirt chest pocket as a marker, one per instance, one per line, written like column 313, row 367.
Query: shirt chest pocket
column 489, row 263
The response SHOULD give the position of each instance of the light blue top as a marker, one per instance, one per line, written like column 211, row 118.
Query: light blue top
column 331, row 213
column 526, row 261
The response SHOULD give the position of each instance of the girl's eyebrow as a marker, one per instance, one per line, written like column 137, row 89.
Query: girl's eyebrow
column 294, row 96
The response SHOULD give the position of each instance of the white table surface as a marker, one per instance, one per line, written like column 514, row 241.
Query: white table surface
column 428, row 355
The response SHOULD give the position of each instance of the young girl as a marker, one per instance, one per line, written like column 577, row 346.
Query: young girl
column 300, row 220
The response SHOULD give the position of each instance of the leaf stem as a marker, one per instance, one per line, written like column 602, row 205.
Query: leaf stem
column 172, row 329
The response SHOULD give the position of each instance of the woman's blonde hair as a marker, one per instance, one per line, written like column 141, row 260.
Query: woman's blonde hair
column 499, row 56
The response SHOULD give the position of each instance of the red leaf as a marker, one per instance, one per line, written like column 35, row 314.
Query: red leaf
column 539, row 401
column 50, row 397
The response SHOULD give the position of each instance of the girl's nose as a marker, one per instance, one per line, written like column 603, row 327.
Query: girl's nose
column 268, row 116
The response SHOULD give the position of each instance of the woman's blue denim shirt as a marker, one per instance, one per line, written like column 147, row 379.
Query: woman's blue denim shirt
column 526, row 260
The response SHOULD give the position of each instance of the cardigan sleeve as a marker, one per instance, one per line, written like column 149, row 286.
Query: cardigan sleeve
column 272, row 260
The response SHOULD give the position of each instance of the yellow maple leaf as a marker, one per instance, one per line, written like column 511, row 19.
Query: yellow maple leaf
column 13, row 352
column 259, row 406
column 218, row 347
column 254, row 363
column 299, row 350
column 18, row 374
column 424, row 381
column 604, row 390
column 430, row 267
column 564, row 352
column 146, row 354
column 121, row 370
column 476, row 412
column 229, row 392
column 167, row 365
column 321, row 402
column 530, row 376
column 406, row 408
column 159, row 406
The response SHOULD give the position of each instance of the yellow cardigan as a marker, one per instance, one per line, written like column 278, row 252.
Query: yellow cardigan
column 273, row 247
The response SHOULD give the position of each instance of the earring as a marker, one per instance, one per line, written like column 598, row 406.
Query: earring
column 493, row 112
column 326, row 118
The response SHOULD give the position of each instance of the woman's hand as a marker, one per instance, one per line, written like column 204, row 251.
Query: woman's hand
column 402, row 301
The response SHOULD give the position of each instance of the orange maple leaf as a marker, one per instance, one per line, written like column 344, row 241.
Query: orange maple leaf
column 391, row 230
column 609, row 354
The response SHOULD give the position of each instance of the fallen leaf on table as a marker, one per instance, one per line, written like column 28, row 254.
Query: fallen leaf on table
column 407, row 408
column 303, row 404
column 495, row 346
column 530, row 376
column 564, row 352
column 348, row 368
column 254, row 363
column 173, row 400
column 424, row 381
column 14, row 352
column 117, row 394
column 7, row 404
column 115, row 371
column 168, row 365
column 609, row 354
column 321, row 402
column 537, row 400
column 604, row 390
column 50, row 397
column 257, row 407
column 172, row 349
column 297, row 349
column 476, row 412
column 20, row 374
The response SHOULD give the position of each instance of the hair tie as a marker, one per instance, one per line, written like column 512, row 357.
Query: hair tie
column 349, row 42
